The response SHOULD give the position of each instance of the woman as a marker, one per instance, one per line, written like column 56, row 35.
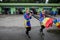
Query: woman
column 42, row 16
column 27, row 17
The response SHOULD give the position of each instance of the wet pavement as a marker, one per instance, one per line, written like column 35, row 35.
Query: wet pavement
column 12, row 28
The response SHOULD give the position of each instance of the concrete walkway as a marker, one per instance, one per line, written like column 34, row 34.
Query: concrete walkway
column 16, row 20
column 12, row 28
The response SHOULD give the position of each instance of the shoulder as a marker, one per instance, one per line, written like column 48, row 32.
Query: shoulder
column 24, row 14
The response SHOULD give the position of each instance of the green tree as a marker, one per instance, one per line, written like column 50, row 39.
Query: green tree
column 54, row 1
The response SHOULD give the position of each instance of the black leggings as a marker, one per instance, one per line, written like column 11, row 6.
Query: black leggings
column 27, row 30
column 42, row 27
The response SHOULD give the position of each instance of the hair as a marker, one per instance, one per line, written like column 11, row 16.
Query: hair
column 27, row 10
column 43, row 9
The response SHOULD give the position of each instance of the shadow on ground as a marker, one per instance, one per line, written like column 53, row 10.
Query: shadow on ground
column 55, row 31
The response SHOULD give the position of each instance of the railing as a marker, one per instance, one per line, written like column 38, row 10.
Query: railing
column 28, row 4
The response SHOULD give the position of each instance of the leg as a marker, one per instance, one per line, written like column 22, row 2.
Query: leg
column 41, row 30
column 42, row 27
column 27, row 31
